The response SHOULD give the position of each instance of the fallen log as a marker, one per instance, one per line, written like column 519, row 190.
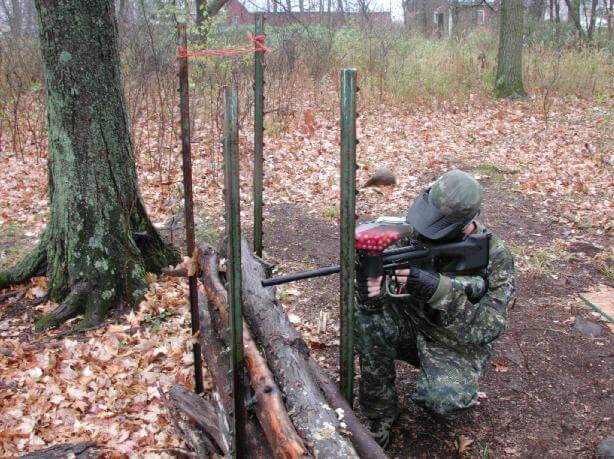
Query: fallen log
column 200, row 412
column 199, row 443
column 287, row 356
column 362, row 440
column 175, row 272
column 270, row 408
column 77, row 450
column 218, row 364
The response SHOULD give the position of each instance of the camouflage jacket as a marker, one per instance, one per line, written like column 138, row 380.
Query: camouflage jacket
column 467, row 312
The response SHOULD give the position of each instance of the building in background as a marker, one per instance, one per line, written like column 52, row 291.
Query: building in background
column 441, row 18
column 238, row 12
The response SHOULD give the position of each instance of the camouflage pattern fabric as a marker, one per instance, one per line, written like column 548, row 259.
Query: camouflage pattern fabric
column 449, row 338
column 456, row 194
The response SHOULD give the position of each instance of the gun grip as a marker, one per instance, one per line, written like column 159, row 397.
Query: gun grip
column 368, row 266
column 373, row 265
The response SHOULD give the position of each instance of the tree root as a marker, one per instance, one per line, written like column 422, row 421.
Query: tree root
column 73, row 305
column 85, row 296
column 96, row 309
column 18, row 294
column 31, row 265
column 157, row 253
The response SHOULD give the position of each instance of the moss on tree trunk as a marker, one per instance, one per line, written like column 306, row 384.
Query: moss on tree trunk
column 508, row 82
column 32, row 265
column 99, row 242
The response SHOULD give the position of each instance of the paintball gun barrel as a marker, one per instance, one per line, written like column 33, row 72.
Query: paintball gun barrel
column 460, row 257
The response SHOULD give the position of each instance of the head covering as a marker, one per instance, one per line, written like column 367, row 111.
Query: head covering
column 447, row 207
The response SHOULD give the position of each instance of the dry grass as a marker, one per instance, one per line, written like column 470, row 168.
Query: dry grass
column 394, row 69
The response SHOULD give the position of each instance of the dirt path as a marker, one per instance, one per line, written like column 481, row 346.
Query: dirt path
column 550, row 394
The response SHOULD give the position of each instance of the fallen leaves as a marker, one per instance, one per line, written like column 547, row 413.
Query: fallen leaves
column 310, row 121
column 39, row 288
column 501, row 364
column 36, row 292
column 102, row 386
column 463, row 443
column 294, row 319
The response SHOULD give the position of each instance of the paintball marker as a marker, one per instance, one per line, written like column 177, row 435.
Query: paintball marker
column 375, row 259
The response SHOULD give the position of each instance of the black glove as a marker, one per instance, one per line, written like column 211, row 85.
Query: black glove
column 422, row 284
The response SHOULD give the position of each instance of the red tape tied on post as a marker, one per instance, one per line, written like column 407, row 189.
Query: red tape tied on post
column 258, row 42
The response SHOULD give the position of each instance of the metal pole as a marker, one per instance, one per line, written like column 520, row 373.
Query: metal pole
column 346, row 233
column 186, row 152
column 258, row 136
column 233, row 229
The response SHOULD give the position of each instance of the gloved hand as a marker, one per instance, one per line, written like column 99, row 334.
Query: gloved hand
column 420, row 284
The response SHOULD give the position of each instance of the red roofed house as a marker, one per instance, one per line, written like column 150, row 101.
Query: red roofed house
column 237, row 13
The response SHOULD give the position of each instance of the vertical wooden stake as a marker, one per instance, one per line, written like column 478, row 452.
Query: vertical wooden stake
column 346, row 233
column 233, row 228
column 186, row 152
column 258, row 136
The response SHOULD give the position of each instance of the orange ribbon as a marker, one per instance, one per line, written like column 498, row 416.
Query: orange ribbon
column 257, row 40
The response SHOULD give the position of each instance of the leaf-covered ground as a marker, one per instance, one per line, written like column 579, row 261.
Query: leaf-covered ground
column 549, row 188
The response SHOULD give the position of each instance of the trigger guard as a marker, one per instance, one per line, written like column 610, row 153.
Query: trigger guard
column 388, row 290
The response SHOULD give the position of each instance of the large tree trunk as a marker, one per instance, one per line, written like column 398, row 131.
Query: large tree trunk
column 509, row 61
column 455, row 29
column 406, row 4
column 537, row 9
column 551, row 10
column 16, row 19
column 609, row 13
column 424, row 19
column 99, row 242
column 200, row 12
column 592, row 21
column 573, row 15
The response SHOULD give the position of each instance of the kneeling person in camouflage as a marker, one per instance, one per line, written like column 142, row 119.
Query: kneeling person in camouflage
column 442, row 323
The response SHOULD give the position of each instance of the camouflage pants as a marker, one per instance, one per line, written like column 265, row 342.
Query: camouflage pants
column 447, row 385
